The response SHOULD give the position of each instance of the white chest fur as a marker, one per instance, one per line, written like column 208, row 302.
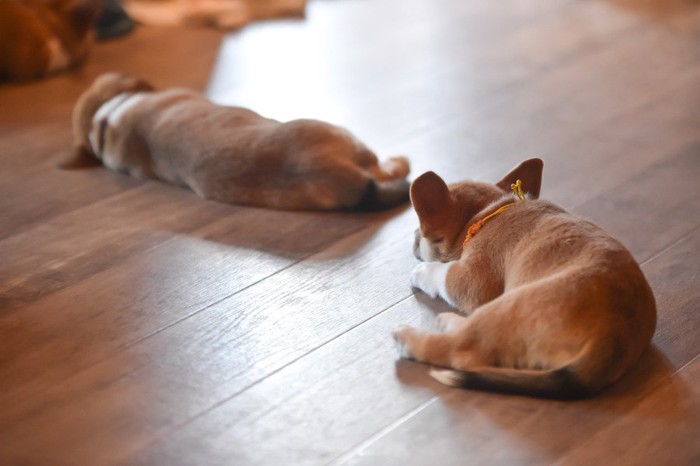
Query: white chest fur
column 108, row 118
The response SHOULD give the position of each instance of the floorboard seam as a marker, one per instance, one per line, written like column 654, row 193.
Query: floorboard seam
column 222, row 401
column 671, row 245
column 357, row 449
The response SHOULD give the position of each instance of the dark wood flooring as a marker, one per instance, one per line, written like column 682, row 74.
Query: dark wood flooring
column 140, row 324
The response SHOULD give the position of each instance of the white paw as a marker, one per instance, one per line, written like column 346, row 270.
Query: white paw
column 421, row 278
column 400, row 341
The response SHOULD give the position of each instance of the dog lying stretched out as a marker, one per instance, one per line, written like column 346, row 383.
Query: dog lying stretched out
column 229, row 154
column 558, row 308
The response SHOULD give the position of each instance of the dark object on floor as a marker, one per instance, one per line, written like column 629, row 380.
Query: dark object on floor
column 113, row 21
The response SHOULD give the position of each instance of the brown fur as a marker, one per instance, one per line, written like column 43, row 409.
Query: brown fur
column 557, row 307
column 40, row 37
column 232, row 154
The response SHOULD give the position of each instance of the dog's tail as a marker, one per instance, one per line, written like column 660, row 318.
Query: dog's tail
column 585, row 375
column 388, row 186
column 558, row 383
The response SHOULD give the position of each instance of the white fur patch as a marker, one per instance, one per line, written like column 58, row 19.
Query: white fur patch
column 118, row 112
column 431, row 278
column 112, row 110
column 425, row 251
column 58, row 58
column 446, row 376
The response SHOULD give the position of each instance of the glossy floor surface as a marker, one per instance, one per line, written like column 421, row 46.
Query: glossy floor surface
column 140, row 324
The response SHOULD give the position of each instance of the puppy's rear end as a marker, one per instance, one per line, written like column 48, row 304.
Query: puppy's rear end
column 388, row 187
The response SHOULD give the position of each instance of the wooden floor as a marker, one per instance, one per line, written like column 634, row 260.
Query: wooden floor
column 141, row 325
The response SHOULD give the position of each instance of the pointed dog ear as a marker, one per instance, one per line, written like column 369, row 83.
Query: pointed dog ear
column 431, row 199
column 79, row 158
column 530, row 172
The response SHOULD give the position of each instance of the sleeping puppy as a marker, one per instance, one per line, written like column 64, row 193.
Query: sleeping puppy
column 42, row 37
column 556, row 306
column 229, row 154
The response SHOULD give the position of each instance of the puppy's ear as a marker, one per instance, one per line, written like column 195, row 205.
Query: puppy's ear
column 530, row 172
column 79, row 157
column 431, row 199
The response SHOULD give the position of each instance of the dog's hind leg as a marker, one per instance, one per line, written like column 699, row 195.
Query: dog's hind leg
column 438, row 349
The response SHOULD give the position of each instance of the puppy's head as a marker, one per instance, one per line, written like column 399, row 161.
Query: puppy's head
column 105, row 87
column 74, row 23
column 444, row 212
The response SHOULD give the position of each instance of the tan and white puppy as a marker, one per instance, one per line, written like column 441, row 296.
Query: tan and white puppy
column 230, row 154
column 556, row 306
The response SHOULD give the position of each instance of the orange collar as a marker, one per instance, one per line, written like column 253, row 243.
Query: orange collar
column 517, row 188
column 474, row 229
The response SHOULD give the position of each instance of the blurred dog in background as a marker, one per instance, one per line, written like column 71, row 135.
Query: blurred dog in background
column 42, row 37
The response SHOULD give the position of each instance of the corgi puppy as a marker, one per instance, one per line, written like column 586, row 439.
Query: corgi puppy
column 229, row 154
column 41, row 37
column 552, row 305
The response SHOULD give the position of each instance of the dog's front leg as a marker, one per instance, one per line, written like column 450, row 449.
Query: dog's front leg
column 431, row 278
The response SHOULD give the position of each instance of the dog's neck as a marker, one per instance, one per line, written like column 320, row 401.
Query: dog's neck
column 476, row 226
column 109, row 114
column 494, row 209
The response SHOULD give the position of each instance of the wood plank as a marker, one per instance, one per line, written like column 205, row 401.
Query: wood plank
column 53, row 193
column 654, row 209
column 623, row 119
column 581, row 162
column 422, row 40
column 111, row 297
column 310, row 411
column 199, row 361
column 663, row 429
column 86, row 241
column 673, row 276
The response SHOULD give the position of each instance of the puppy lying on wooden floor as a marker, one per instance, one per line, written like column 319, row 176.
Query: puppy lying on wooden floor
column 229, row 154
column 558, row 307
column 42, row 37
